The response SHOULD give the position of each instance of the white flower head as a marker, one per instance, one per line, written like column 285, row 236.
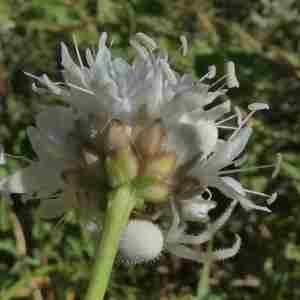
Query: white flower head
column 145, row 124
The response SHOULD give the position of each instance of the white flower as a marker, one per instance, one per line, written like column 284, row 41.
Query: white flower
column 226, row 153
column 142, row 123
column 197, row 208
column 178, row 241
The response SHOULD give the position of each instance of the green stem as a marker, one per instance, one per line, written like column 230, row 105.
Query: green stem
column 203, row 285
column 120, row 204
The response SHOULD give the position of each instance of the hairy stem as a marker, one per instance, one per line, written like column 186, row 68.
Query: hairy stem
column 120, row 204
column 203, row 285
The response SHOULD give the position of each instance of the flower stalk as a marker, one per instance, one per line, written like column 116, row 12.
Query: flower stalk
column 121, row 201
column 203, row 284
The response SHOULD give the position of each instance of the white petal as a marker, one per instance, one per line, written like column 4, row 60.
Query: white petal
column 72, row 72
column 228, row 151
column 234, row 184
column 210, row 231
column 185, row 252
column 183, row 139
column 207, row 136
column 232, row 189
column 228, row 252
column 146, row 40
column 196, row 209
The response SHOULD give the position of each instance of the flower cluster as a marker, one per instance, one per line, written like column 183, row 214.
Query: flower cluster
column 147, row 125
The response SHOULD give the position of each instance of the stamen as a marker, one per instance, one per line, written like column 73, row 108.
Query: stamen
column 210, row 74
column 227, row 119
column 146, row 40
column 79, row 88
column 77, row 51
column 51, row 85
column 44, row 79
column 212, row 71
column 272, row 199
column 112, row 42
column 257, row 193
column 231, row 78
column 277, row 166
column 254, row 168
column 184, row 44
column 244, row 122
column 217, row 81
column 141, row 51
column 239, row 115
column 253, row 108
column 227, row 127
column 102, row 40
column 258, row 106
column 168, row 72
column 89, row 57
column 32, row 76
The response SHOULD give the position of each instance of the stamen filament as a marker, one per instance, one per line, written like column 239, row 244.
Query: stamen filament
column 257, row 193
column 77, row 52
column 246, row 169
column 184, row 44
column 226, row 119
column 227, row 127
column 79, row 88
column 248, row 117
column 217, row 81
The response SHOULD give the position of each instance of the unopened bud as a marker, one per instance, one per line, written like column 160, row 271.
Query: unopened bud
column 150, row 139
column 122, row 166
column 156, row 193
column 118, row 135
column 161, row 166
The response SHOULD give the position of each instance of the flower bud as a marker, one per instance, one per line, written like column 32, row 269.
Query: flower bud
column 150, row 139
column 141, row 241
column 155, row 193
column 121, row 166
column 118, row 136
column 161, row 166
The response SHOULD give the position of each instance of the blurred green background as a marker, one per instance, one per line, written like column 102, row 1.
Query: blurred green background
column 262, row 37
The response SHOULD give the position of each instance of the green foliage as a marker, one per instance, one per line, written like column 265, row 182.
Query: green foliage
column 262, row 37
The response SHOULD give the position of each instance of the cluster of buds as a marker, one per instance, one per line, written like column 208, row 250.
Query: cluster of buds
column 146, row 126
